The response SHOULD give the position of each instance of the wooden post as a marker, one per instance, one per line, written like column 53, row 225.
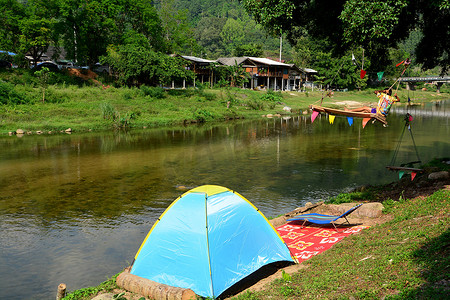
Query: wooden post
column 61, row 291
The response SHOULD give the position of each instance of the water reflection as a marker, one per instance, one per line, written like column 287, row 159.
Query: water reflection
column 75, row 208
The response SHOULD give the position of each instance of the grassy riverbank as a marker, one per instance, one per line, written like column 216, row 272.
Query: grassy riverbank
column 70, row 103
column 404, row 258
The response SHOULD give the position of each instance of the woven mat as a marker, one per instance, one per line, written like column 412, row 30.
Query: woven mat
column 311, row 240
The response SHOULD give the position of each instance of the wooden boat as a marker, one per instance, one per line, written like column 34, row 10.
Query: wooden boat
column 348, row 113
column 394, row 168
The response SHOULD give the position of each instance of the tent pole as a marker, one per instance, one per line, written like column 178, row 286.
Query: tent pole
column 207, row 243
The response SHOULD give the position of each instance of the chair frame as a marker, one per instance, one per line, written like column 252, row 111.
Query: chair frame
column 331, row 218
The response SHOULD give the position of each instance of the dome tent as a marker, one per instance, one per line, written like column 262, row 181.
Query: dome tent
column 207, row 240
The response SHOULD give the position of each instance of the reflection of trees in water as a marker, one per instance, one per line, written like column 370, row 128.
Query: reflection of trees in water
column 115, row 173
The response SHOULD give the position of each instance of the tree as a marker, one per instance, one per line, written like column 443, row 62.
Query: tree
column 89, row 26
column 173, row 69
column 43, row 75
column 36, row 36
column 374, row 25
column 207, row 34
column 178, row 35
column 135, row 64
column 11, row 12
column 232, row 35
column 254, row 50
column 86, row 29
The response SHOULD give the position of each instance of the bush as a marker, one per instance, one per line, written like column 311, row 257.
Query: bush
column 256, row 104
column 202, row 115
column 351, row 197
column 108, row 111
column 9, row 95
column 272, row 96
column 153, row 92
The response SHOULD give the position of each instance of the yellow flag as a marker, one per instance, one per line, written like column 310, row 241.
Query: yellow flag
column 331, row 119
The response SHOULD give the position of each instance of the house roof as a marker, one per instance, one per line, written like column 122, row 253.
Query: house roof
column 268, row 61
column 309, row 70
column 197, row 59
column 296, row 68
column 231, row 61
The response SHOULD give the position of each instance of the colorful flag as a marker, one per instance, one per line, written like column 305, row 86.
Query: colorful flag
column 380, row 75
column 413, row 175
column 314, row 115
column 355, row 62
column 331, row 119
column 365, row 121
column 350, row 121
column 400, row 174
column 363, row 73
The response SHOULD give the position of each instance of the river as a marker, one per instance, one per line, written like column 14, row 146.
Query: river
column 75, row 208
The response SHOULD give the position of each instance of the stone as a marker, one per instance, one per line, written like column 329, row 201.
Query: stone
column 439, row 175
column 107, row 296
column 20, row 131
column 367, row 210
column 287, row 108
column 38, row 132
column 10, row 133
column 269, row 116
column 68, row 130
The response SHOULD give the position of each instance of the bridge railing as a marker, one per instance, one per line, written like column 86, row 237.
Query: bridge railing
column 426, row 79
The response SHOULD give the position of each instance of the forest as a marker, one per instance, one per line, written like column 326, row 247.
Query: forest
column 134, row 37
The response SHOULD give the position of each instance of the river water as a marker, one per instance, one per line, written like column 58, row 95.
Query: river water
column 75, row 208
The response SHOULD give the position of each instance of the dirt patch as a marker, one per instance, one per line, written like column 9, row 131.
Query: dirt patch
column 84, row 74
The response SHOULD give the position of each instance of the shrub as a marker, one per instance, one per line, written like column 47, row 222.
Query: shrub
column 9, row 94
column 256, row 104
column 108, row 111
column 153, row 92
column 202, row 115
column 350, row 197
column 272, row 96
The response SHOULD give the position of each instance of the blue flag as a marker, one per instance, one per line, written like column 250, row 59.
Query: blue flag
column 350, row 121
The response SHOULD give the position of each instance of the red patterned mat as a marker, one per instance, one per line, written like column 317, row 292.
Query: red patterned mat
column 308, row 241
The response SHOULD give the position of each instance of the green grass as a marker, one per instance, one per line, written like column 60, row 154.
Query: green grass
column 87, row 293
column 405, row 258
column 73, row 103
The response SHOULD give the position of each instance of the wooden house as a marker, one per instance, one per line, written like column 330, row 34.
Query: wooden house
column 201, row 67
column 264, row 73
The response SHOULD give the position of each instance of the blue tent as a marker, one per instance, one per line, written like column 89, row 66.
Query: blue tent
column 207, row 240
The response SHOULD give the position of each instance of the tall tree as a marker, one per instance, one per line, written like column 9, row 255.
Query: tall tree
column 36, row 36
column 89, row 26
column 232, row 35
column 375, row 25
column 11, row 12
column 207, row 33
column 178, row 35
